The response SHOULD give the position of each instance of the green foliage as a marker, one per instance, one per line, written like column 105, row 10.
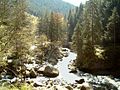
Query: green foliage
column 113, row 27
column 25, row 86
column 78, row 42
column 40, row 7
column 77, row 37
column 87, row 33
column 56, row 24
column 74, row 17
column 107, row 7
column 94, row 29
column 16, row 33
column 71, row 25
column 53, row 26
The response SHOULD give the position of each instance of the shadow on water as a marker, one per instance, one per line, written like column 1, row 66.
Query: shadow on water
column 98, row 82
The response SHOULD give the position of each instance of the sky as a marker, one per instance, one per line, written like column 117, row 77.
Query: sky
column 75, row 2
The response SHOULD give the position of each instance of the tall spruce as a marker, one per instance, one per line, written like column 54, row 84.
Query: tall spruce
column 113, row 28
column 71, row 25
column 55, row 27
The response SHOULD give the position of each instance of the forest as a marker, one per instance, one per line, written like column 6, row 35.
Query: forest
column 54, row 45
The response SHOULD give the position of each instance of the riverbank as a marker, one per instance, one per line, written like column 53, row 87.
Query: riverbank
column 65, row 80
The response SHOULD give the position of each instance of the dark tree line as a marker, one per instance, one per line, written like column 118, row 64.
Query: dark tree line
column 94, row 30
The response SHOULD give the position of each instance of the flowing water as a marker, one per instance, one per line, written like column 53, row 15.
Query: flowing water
column 98, row 82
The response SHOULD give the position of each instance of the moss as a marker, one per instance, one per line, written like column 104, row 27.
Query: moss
column 26, row 86
column 23, row 86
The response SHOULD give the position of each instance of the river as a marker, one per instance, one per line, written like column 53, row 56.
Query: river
column 97, row 81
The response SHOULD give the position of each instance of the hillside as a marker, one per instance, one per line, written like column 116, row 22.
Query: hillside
column 39, row 7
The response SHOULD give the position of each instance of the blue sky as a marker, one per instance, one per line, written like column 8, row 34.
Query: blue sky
column 75, row 2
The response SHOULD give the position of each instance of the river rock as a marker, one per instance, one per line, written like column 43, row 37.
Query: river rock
column 41, row 70
column 72, row 68
column 27, row 73
column 65, row 54
column 33, row 74
column 58, row 87
column 50, row 71
column 64, row 49
column 80, row 81
column 83, row 88
column 69, row 87
column 73, row 71
column 36, row 84
column 60, row 56
column 86, row 86
column 53, row 61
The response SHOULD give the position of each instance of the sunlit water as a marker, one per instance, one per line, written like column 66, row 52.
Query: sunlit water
column 103, row 82
column 63, row 68
column 98, row 82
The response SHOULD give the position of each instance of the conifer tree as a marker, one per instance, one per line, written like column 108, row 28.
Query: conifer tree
column 91, row 34
column 113, row 27
column 56, row 27
column 77, row 41
column 71, row 25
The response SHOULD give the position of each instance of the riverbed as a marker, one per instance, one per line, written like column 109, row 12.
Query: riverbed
column 98, row 82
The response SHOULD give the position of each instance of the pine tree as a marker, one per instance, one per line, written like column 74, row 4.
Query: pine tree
column 44, row 24
column 77, row 38
column 71, row 25
column 107, row 7
column 91, row 34
column 56, row 27
column 77, row 41
column 113, row 27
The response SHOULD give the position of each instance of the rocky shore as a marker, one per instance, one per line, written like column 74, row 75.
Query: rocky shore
column 62, row 76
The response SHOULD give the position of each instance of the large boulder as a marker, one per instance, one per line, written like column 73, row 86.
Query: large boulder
column 84, row 86
column 72, row 68
column 41, row 69
column 50, row 71
column 33, row 73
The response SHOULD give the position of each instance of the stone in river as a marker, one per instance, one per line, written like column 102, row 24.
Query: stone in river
column 50, row 71
column 33, row 74
column 80, row 81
